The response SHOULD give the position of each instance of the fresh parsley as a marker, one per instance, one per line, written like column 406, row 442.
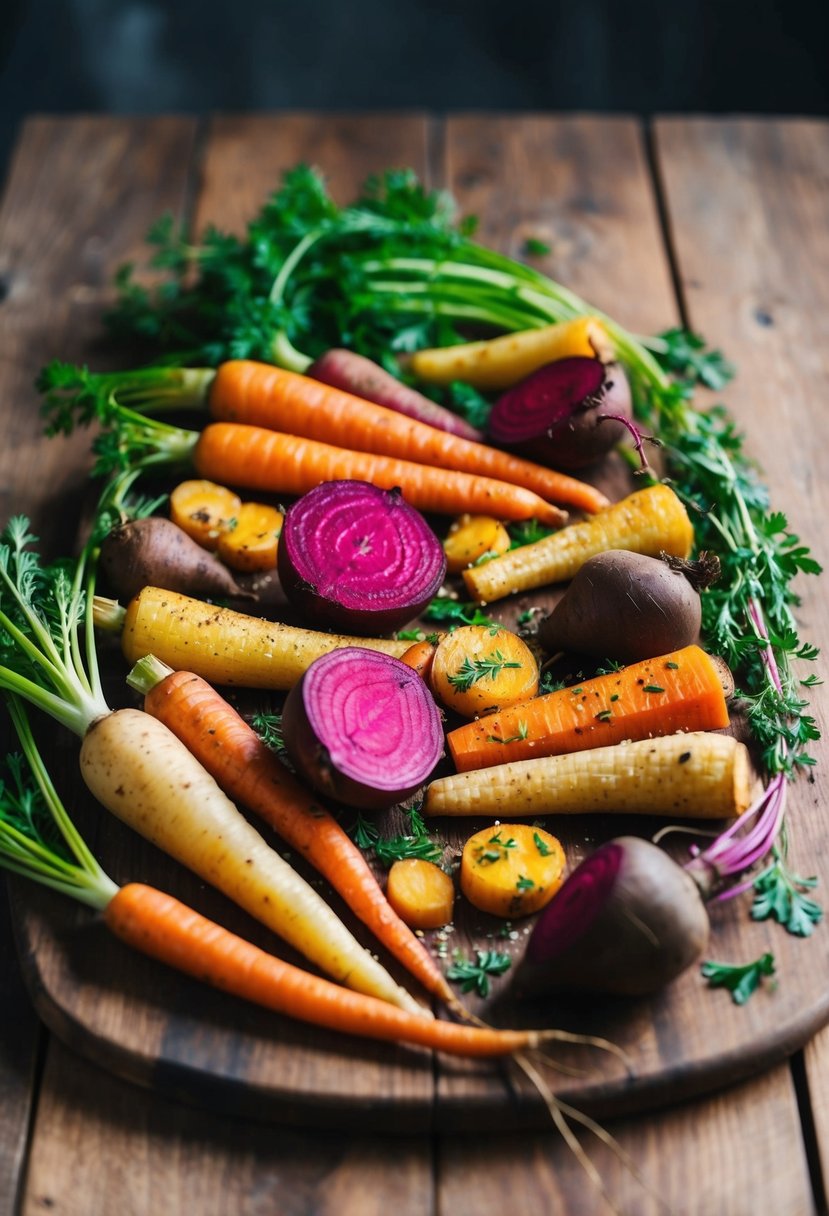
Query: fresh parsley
column 473, row 976
column 741, row 981
column 780, row 895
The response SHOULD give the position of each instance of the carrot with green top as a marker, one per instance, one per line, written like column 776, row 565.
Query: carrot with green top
column 677, row 691
column 256, row 458
column 260, row 395
column 222, row 646
column 650, row 521
column 252, row 775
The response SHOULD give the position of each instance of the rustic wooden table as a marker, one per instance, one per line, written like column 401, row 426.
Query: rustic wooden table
column 720, row 223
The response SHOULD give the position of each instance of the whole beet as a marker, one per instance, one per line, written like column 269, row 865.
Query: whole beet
column 627, row 921
column 629, row 607
column 155, row 552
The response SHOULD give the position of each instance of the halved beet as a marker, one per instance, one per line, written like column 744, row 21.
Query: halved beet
column 361, row 727
column 567, row 415
column 357, row 558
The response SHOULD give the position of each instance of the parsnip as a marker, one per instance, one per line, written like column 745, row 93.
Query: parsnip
column 649, row 521
column 694, row 775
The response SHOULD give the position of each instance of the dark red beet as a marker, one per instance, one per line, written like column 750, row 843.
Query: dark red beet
column 567, row 415
column 357, row 558
column 627, row 921
column 356, row 374
column 361, row 727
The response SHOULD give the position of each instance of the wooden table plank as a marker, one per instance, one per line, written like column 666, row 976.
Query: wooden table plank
column 748, row 207
column 118, row 1149
column 124, row 1150
column 816, row 1059
column 20, row 1038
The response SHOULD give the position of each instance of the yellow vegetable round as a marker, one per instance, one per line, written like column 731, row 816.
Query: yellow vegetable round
column 511, row 870
column 472, row 536
column 422, row 894
column 481, row 668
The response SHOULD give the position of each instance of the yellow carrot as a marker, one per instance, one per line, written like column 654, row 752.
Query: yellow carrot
column 226, row 647
column 677, row 691
column 698, row 775
column 501, row 362
column 649, row 521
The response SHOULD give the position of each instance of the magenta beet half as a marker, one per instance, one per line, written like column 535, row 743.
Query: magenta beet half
column 362, row 728
column 357, row 558
column 567, row 415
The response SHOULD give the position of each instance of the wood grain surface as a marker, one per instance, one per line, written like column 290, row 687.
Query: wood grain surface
column 121, row 1149
column 586, row 186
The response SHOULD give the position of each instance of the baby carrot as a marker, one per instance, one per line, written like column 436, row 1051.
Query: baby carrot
column 223, row 646
column 267, row 460
column 252, row 775
column 259, row 394
column 650, row 521
column 677, row 691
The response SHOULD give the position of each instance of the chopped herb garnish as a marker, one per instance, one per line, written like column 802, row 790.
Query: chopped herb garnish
column 779, row 894
column 604, row 715
column 653, row 688
column 505, row 844
column 741, row 981
column 671, row 666
column 535, row 248
column 442, row 608
column 472, row 670
column 543, row 849
column 269, row 729
column 474, row 976
column 524, row 884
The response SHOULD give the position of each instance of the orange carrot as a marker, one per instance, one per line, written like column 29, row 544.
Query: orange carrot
column 681, row 691
column 260, row 459
column 259, row 394
column 161, row 927
column 251, row 774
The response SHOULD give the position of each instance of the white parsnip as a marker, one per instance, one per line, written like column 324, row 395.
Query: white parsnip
column 692, row 775
column 650, row 521
column 140, row 771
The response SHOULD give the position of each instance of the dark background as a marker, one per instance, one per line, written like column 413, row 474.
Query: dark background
column 193, row 56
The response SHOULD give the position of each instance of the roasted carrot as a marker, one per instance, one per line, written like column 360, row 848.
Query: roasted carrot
column 252, row 775
column 677, row 691
column 420, row 657
column 160, row 926
column 498, row 363
column 650, row 521
column 267, row 460
column 698, row 775
column 223, row 646
column 258, row 394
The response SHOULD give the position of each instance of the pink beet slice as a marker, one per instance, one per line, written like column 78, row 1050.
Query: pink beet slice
column 361, row 727
column 567, row 415
column 356, row 374
column 358, row 559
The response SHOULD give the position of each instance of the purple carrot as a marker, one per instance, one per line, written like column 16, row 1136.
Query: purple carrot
column 356, row 374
